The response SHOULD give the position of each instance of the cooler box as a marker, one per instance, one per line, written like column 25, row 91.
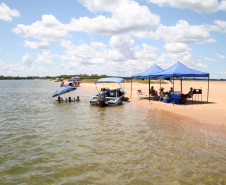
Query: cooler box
column 176, row 101
column 176, row 96
column 166, row 100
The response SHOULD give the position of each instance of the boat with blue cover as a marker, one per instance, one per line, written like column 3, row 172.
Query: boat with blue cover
column 108, row 97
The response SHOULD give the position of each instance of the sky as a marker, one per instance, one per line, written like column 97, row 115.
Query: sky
column 111, row 37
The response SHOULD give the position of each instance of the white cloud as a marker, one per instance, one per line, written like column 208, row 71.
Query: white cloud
column 22, row 68
column 100, row 5
column 121, row 57
column 83, row 52
column 27, row 60
column 123, row 44
column 176, row 47
column 200, row 65
column 6, row 13
column 202, row 58
column 211, row 40
column 45, row 58
column 206, row 6
column 126, row 15
column 220, row 56
column 178, row 38
column 220, row 25
column 182, row 32
column 98, row 45
column 35, row 45
column 146, row 53
column 49, row 30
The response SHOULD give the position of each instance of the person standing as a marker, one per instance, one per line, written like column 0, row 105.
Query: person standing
column 62, row 82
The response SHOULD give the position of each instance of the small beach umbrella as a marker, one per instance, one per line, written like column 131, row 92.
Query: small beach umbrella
column 63, row 90
column 72, row 79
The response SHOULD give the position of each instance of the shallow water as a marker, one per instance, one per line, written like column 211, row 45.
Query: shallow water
column 46, row 142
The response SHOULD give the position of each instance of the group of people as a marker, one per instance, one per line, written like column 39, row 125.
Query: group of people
column 163, row 94
column 154, row 93
column 69, row 99
column 75, row 83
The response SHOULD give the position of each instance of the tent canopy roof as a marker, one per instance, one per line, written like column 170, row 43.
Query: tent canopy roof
column 179, row 70
column 151, row 71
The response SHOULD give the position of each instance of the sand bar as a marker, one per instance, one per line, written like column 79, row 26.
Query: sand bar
column 211, row 113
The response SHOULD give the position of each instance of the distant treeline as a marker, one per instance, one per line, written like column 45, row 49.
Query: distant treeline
column 23, row 78
column 85, row 76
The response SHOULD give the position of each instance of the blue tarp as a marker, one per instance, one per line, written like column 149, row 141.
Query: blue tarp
column 63, row 90
column 179, row 70
column 116, row 80
column 151, row 71
column 72, row 79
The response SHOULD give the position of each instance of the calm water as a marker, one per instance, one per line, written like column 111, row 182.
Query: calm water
column 46, row 142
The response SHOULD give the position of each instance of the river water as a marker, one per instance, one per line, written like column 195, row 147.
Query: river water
column 46, row 142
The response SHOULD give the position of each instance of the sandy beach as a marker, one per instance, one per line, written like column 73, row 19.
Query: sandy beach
column 209, row 114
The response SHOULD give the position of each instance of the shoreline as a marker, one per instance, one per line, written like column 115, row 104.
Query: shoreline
column 210, row 115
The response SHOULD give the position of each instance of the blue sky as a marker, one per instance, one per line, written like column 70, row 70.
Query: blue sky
column 112, row 37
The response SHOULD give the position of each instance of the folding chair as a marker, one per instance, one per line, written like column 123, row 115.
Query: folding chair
column 140, row 94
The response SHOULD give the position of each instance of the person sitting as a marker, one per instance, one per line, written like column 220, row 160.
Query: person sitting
column 60, row 99
column 69, row 99
column 161, row 93
column 77, row 98
column 190, row 94
column 153, row 92
column 168, row 94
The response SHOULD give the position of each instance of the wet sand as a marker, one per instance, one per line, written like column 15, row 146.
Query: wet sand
column 211, row 114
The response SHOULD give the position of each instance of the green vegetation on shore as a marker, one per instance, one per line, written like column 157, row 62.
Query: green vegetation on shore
column 94, row 77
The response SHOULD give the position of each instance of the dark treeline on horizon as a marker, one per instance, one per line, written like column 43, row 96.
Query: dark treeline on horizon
column 23, row 78
column 84, row 76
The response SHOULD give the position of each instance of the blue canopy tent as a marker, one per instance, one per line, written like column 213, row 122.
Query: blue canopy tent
column 151, row 71
column 180, row 70
column 155, row 69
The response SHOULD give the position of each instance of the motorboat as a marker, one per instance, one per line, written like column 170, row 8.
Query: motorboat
column 108, row 97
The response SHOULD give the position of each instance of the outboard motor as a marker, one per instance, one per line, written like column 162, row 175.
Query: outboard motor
column 101, row 98
column 107, row 92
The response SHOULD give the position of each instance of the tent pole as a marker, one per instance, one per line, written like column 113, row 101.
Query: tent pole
column 173, row 91
column 131, row 89
column 181, row 84
column 160, row 82
column 208, row 90
column 149, row 88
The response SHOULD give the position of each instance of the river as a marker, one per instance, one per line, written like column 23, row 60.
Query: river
column 46, row 142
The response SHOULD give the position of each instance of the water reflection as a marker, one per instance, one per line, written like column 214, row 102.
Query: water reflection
column 46, row 142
